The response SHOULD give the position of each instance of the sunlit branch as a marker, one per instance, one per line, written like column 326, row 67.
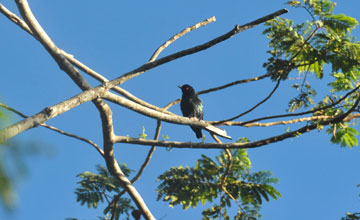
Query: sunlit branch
column 14, row 18
column 165, row 117
column 254, row 144
column 312, row 118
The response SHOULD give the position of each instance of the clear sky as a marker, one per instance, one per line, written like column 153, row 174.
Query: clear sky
column 317, row 179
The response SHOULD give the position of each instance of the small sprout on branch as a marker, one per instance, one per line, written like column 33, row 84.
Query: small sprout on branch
column 165, row 137
column 243, row 140
column 143, row 135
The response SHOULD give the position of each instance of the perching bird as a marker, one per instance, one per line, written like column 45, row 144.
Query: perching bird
column 191, row 106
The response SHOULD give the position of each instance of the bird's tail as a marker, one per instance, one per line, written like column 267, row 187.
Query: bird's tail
column 199, row 134
column 197, row 131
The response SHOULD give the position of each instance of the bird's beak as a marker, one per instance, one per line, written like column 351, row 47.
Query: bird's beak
column 180, row 87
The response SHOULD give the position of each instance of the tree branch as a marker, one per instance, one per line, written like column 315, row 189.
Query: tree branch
column 254, row 107
column 300, row 113
column 104, row 109
column 237, row 29
column 255, row 144
column 98, row 91
column 180, row 34
column 164, row 117
column 249, row 125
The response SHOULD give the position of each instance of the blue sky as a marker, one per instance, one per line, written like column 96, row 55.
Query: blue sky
column 317, row 179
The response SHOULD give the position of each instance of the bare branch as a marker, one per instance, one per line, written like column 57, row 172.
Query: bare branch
column 228, row 166
column 252, row 108
column 234, row 83
column 180, row 34
column 13, row 17
column 237, row 29
column 312, row 118
column 300, row 113
column 221, row 87
column 255, row 144
column 75, row 136
column 98, row 91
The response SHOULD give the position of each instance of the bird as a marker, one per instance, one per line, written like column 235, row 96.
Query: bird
column 191, row 106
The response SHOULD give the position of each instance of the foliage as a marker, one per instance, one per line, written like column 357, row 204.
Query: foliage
column 143, row 135
column 217, row 183
column 309, row 47
column 98, row 188
column 344, row 135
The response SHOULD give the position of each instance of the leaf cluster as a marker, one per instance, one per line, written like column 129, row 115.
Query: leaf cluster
column 96, row 188
column 222, row 185
column 309, row 47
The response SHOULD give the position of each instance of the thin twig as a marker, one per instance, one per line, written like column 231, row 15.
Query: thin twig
column 149, row 155
column 220, row 88
column 180, row 34
column 312, row 118
column 254, row 107
column 300, row 113
column 234, row 83
column 229, row 164
column 232, row 197
column 14, row 18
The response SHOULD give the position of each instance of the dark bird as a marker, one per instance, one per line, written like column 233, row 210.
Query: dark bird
column 191, row 106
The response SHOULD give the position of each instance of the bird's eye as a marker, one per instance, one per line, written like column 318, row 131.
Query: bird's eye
column 187, row 88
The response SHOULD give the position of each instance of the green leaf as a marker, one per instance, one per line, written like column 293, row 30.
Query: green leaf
column 190, row 186
column 143, row 134
column 345, row 136
column 94, row 187
column 340, row 23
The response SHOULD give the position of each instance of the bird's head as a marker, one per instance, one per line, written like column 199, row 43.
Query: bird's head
column 187, row 89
